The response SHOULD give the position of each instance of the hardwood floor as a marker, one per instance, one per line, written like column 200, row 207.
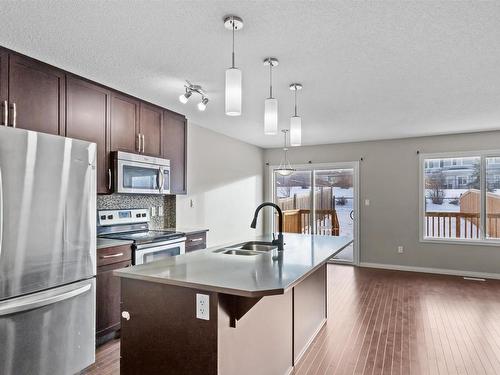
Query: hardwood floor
column 391, row 322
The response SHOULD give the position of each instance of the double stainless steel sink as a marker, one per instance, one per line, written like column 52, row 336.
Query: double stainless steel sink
column 250, row 248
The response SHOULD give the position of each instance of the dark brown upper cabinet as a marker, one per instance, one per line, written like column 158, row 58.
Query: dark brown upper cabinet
column 174, row 143
column 150, row 129
column 124, row 125
column 87, row 118
column 35, row 95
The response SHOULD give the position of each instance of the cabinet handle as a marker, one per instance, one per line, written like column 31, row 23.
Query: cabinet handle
column 111, row 256
column 14, row 115
column 126, row 315
column 196, row 239
column 109, row 179
column 143, row 143
column 139, row 142
column 5, row 113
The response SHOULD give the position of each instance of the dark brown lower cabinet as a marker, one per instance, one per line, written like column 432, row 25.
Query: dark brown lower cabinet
column 196, row 241
column 108, row 292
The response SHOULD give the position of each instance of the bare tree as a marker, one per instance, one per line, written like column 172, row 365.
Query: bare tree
column 435, row 182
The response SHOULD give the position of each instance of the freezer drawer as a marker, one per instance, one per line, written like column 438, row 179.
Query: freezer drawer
column 51, row 332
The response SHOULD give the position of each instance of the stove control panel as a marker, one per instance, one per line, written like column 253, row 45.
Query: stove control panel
column 128, row 216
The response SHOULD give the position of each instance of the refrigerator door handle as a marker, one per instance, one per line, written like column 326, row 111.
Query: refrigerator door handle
column 41, row 299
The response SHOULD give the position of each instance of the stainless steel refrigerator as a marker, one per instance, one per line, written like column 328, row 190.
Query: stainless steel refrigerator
column 47, row 253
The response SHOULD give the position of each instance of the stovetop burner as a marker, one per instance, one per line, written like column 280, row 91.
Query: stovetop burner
column 146, row 236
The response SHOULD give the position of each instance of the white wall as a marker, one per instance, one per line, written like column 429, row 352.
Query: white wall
column 225, row 184
column 389, row 178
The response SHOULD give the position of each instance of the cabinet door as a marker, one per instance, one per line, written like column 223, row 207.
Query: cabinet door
column 108, row 298
column 151, row 121
column 37, row 90
column 4, row 77
column 124, row 123
column 174, row 148
column 87, row 118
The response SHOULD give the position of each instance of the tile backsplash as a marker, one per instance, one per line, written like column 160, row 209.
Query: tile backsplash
column 123, row 201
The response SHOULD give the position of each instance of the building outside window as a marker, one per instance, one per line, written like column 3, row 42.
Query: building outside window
column 460, row 197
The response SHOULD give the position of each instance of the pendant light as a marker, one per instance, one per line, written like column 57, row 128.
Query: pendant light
column 233, row 74
column 271, row 104
column 285, row 169
column 295, row 121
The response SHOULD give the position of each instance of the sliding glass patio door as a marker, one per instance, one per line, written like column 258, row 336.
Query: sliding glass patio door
column 320, row 199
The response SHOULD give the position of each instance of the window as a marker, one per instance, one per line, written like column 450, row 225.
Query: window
column 462, row 203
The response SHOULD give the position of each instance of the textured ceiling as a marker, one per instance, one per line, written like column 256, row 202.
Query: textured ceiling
column 370, row 70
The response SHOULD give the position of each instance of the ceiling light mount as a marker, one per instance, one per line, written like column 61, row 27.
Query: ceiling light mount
column 296, row 86
column 233, row 22
column 271, row 61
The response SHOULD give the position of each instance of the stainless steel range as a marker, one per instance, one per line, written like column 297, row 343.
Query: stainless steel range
column 133, row 225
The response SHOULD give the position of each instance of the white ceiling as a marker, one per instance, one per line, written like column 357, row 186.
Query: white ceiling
column 370, row 70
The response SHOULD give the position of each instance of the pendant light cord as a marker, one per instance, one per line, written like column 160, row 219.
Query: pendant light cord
column 270, row 79
column 295, row 101
column 233, row 46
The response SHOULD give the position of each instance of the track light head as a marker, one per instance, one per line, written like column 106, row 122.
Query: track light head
column 185, row 97
column 203, row 104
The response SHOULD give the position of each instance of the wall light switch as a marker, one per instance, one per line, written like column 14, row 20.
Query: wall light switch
column 367, row 202
column 160, row 210
column 153, row 211
column 203, row 306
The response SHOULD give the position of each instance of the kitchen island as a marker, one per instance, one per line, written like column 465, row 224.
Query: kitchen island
column 257, row 313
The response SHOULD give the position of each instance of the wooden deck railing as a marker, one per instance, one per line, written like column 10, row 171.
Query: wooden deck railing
column 299, row 221
column 459, row 225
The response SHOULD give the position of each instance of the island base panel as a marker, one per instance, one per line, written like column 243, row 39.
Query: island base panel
column 310, row 305
column 163, row 335
column 261, row 340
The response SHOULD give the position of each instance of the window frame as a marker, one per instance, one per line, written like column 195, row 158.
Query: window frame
column 483, row 240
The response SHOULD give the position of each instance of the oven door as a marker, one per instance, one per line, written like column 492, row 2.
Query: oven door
column 137, row 177
column 160, row 250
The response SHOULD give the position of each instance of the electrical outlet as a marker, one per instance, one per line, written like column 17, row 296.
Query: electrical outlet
column 401, row 249
column 153, row 211
column 367, row 202
column 202, row 306
column 160, row 210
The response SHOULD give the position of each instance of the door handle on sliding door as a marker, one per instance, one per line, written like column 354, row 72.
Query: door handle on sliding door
column 41, row 299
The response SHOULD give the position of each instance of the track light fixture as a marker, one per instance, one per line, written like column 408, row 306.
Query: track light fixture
column 190, row 88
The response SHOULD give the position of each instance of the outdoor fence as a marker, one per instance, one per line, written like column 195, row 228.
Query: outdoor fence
column 297, row 214
column 460, row 225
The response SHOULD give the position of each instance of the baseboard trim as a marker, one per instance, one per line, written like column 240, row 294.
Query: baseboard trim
column 439, row 271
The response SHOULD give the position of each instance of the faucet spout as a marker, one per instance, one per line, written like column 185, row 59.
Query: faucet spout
column 278, row 241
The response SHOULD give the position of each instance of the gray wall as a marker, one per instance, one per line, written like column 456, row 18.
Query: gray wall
column 389, row 178
column 225, row 185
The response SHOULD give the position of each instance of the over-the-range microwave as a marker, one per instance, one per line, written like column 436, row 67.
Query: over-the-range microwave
column 140, row 174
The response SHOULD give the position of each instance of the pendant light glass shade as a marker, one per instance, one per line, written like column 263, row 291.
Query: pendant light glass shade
column 271, row 116
column 285, row 169
column 295, row 131
column 233, row 92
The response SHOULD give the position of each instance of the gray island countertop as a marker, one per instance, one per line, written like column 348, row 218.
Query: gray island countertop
column 247, row 276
